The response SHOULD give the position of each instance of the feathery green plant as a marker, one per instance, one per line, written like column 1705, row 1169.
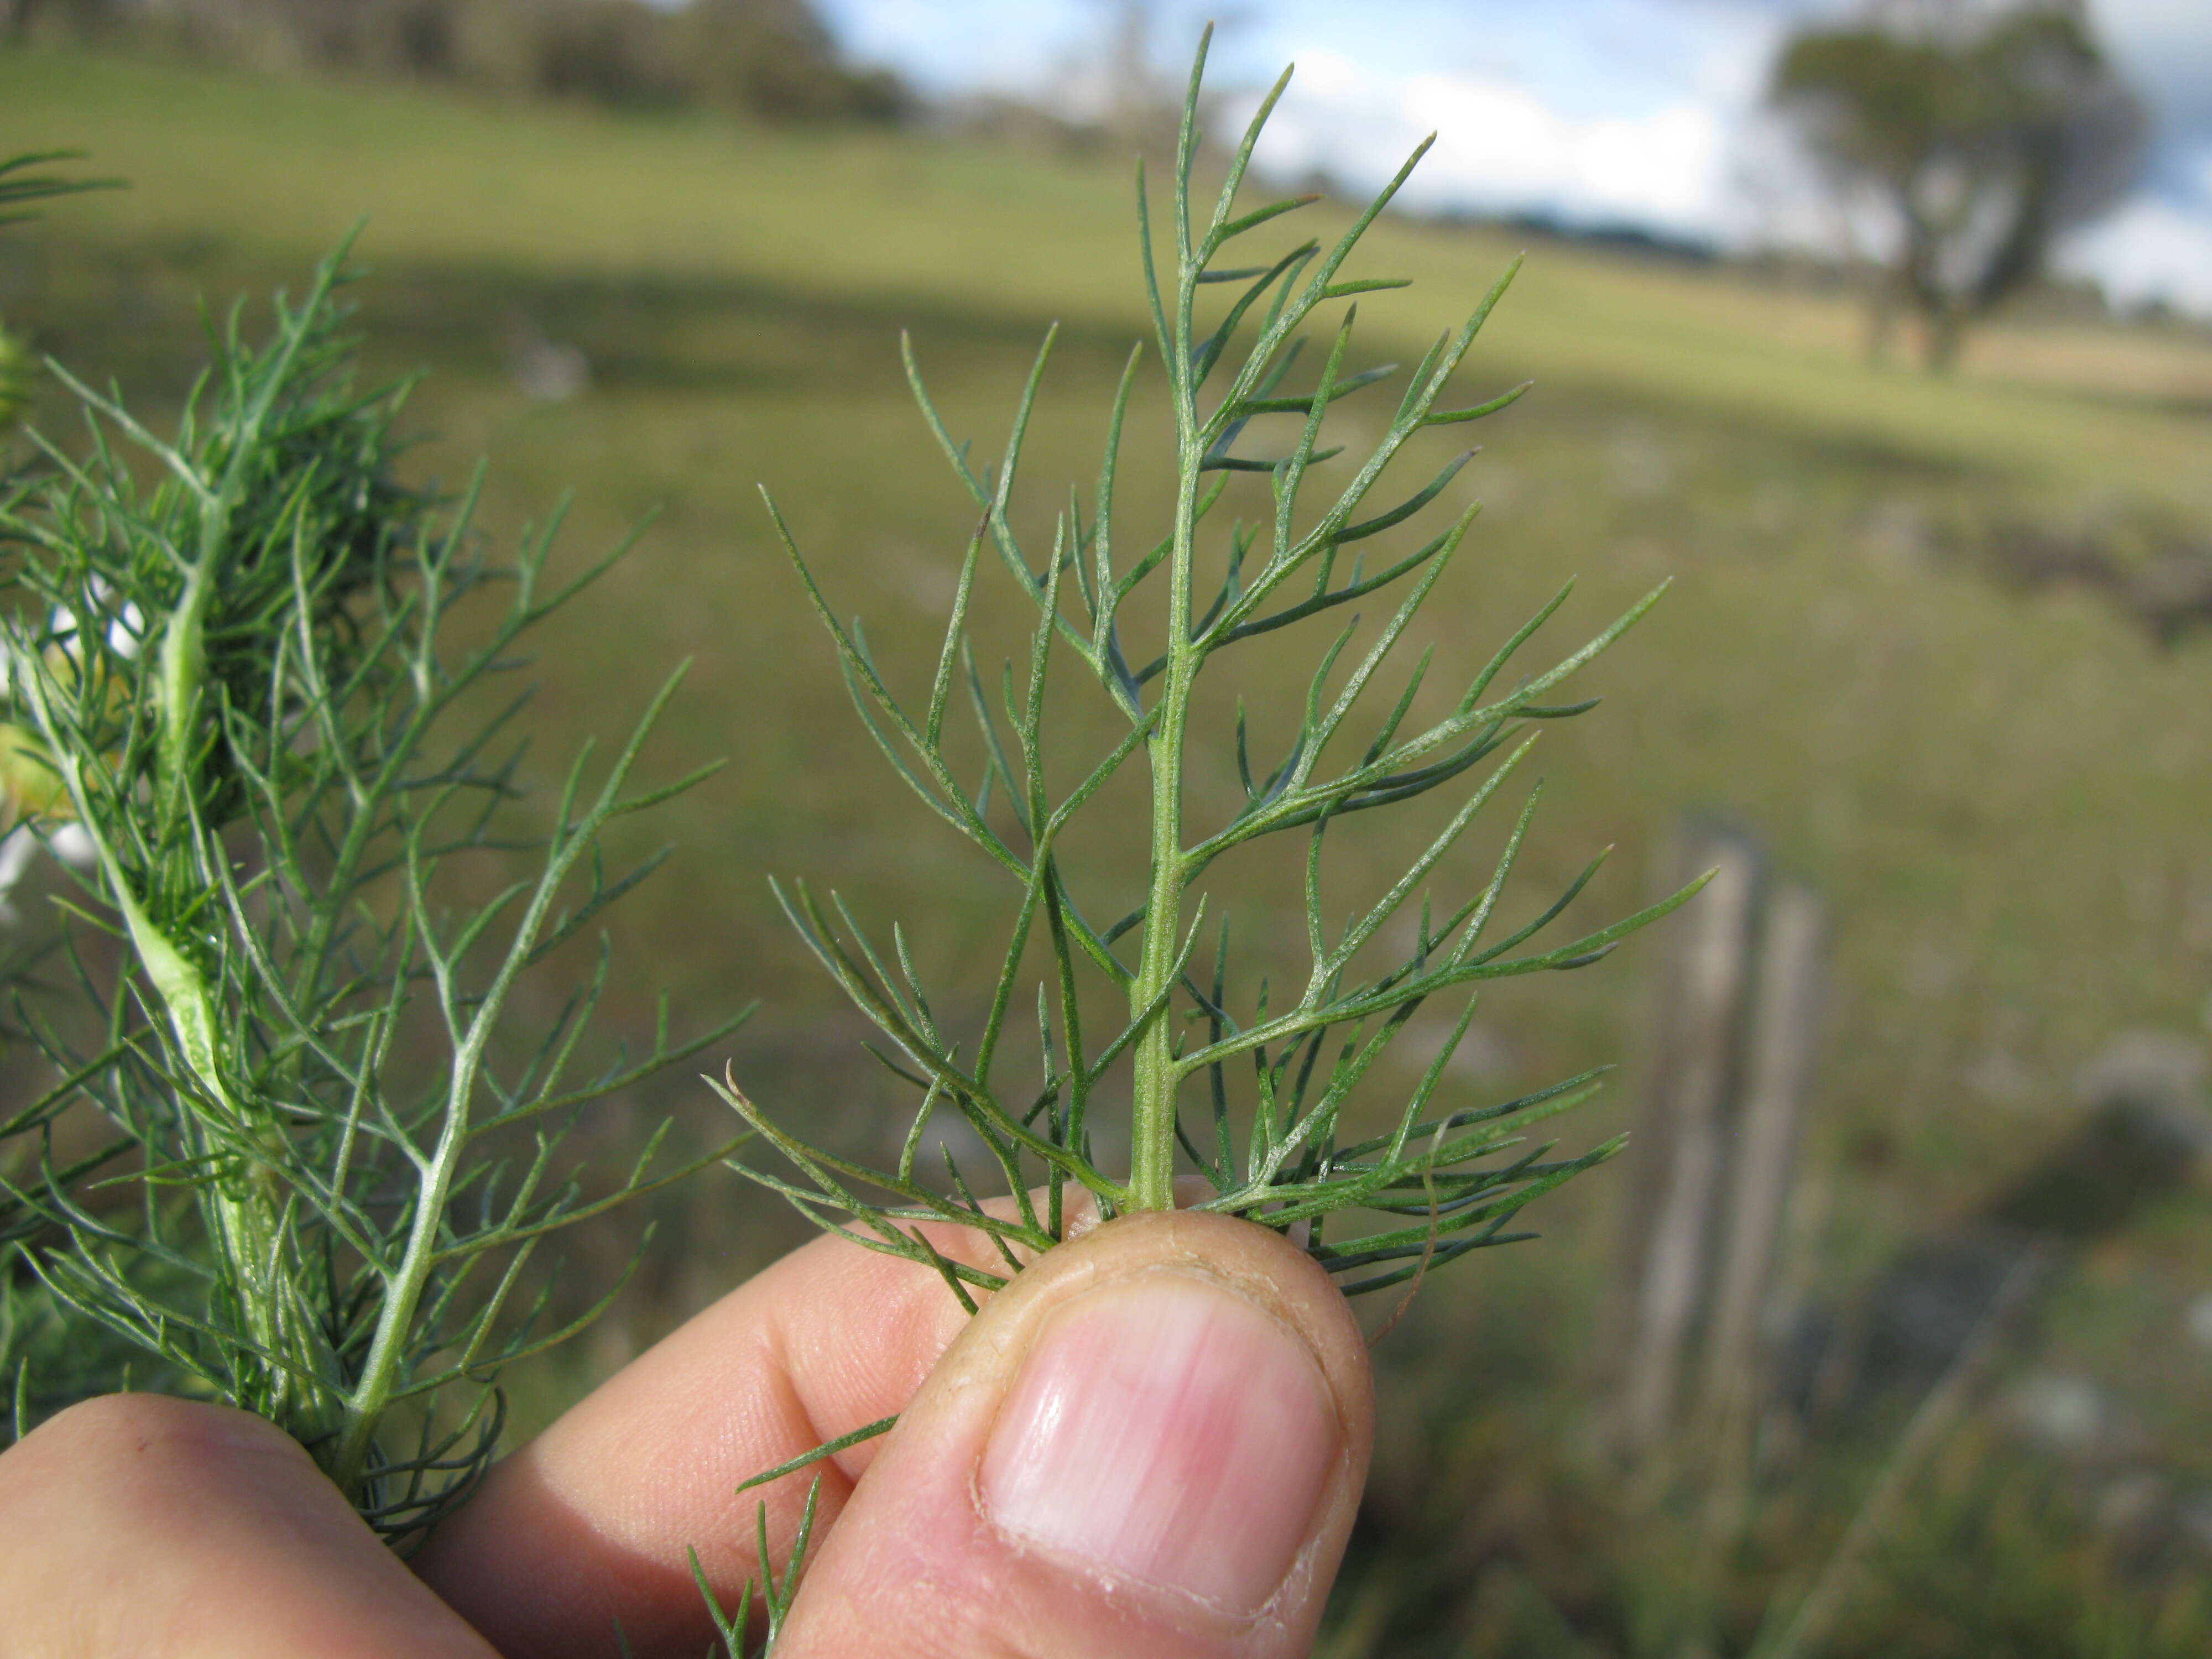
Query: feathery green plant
column 21, row 185
column 1447, row 1182
column 14, row 379
column 336, row 1145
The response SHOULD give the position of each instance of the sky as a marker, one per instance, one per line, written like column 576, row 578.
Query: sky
column 1599, row 113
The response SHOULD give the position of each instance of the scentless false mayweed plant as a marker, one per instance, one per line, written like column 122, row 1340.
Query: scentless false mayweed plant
column 329, row 1140
column 1250, row 1091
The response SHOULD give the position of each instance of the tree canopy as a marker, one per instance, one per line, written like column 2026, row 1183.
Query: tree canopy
column 1962, row 141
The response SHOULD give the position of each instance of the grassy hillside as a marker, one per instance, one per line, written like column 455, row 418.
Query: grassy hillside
column 2002, row 795
column 283, row 168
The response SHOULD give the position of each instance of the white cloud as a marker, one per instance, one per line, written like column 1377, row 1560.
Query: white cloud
column 1502, row 148
column 1597, row 111
column 2149, row 250
column 1705, row 164
column 965, row 45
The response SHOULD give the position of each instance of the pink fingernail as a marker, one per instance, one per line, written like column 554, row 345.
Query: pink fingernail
column 1168, row 1431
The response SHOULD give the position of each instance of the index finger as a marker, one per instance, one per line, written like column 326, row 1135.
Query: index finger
column 592, row 1521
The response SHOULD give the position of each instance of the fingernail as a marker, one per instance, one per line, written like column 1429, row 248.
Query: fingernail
column 1168, row 1431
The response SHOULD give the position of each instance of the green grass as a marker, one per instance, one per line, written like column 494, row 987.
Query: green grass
column 2003, row 796
column 282, row 168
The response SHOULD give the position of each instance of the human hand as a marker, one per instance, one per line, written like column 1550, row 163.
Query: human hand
column 1152, row 1442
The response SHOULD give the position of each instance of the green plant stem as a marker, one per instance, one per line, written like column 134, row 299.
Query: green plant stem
column 184, row 667
column 246, row 1230
column 1152, row 1158
column 383, row 1374
column 245, row 1220
column 380, row 1378
column 1152, row 1106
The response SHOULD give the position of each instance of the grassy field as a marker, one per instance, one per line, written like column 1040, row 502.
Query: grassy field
column 2002, row 795
column 280, row 169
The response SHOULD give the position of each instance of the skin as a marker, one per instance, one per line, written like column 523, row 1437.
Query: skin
column 141, row 1525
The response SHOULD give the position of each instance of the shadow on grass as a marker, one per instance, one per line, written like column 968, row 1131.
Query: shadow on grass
column 656, row 333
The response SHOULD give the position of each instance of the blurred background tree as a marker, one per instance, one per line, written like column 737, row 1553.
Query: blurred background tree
column 766, row 60
column 1962, row 141
column 775, row 58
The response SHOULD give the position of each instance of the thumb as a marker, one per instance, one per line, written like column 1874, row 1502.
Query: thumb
column 1151, row 1442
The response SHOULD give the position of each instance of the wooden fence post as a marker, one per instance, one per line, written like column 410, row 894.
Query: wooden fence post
column 1785, row 1022
column 1700, row 1032
column 1738, row 1018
